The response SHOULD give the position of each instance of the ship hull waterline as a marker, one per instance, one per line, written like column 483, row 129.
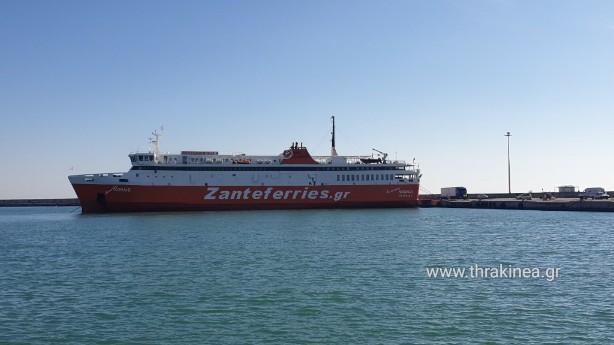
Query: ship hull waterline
column 101, row 198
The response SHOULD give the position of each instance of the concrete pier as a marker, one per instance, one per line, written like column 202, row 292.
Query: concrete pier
column 559, row 204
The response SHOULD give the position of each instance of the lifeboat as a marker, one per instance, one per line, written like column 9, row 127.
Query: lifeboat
column 242, row 161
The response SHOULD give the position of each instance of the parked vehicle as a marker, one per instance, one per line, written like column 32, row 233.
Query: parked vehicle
column 481, row 196
column 593, row 193
column 454, row 193
column 524, row 197
column 548, row 196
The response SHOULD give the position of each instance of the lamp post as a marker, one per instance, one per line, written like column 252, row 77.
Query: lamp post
column 509, row 179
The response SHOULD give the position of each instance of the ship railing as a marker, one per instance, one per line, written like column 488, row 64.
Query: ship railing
column 322, row 159
column 356, row 160
column 224, row 160
column 116, row 174
column 245, row 159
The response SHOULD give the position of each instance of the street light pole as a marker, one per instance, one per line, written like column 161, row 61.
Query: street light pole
column 509, row 179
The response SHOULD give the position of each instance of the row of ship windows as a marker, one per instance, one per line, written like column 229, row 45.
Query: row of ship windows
column 340, row 178
column 269, row 168
column 365, row 177
column 142, row 158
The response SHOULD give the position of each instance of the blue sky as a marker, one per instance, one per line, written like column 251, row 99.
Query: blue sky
column 83, row 83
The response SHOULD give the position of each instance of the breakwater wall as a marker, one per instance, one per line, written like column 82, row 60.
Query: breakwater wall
column 39, row 202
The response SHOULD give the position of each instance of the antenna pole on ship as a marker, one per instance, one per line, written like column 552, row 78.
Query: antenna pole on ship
column 333, row 152
column 156, row 143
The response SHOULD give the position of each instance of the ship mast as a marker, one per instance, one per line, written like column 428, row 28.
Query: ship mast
column 333, row 152
column 156, row 143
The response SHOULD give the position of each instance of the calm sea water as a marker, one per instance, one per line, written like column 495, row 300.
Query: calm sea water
column 304, row 277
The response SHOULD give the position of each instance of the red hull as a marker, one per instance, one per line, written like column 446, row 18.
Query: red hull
column 96, row 198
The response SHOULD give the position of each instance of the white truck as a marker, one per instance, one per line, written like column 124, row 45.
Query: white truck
column 593, row 193
column 454, row 193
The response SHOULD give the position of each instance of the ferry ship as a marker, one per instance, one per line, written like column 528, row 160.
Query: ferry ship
column 207, row 180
